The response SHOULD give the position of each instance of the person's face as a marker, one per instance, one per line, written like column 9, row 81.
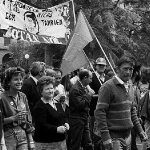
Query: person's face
column 144, row 88
column 48, row 91
column 42, row 72
column 16, row 82
column 88, row 80
column 100, row 68
column 53, row 76
column 29, row 21
column 58, row 78
column 125, row 72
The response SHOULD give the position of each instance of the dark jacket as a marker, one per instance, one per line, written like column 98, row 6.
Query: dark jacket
column 79, row 101
column 29, row 88
column 95, row 85
column 144, row 107
column 1, row 120
column 47, row 119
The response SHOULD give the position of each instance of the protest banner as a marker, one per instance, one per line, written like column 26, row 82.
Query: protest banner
column 51, row 25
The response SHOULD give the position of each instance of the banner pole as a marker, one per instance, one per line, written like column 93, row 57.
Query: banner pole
column 94, row 36
column 105, row 55
column 92, row 67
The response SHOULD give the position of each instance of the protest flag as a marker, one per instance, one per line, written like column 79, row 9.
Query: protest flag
column 74, row 57
column 113, row 59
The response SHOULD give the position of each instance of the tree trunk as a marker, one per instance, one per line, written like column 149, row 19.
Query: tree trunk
column 48, row 55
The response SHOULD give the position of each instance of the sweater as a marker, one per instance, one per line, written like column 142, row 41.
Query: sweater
column 115, row 110
column 47, row 119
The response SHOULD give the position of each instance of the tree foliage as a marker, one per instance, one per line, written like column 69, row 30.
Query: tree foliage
column 120, row 25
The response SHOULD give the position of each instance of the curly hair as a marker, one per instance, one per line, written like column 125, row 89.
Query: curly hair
column 9, row 73
column 44, row 80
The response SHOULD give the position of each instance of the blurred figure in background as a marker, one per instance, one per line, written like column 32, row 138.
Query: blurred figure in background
column 29, row 87
column 51, row 73
column 60, row 93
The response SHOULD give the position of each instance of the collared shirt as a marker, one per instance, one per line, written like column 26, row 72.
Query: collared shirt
column 34, row 79
column 10, row 108
column 126, row 85
column 101, row 77
column 60, row 88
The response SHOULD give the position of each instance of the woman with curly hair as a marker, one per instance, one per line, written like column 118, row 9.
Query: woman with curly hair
column 17, row 118
column 51, row 123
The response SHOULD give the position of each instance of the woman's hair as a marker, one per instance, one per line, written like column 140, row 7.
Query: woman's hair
column 50, row 72
column 9, row 73
column 44, row 80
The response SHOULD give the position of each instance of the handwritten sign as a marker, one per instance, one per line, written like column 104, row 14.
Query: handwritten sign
column 25, row 22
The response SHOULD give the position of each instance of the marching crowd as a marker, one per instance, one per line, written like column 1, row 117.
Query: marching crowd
column 89, row 109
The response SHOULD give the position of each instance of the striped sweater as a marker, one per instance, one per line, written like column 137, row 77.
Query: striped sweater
column 115, row 109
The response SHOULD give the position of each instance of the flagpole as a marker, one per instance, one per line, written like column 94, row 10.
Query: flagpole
column 105, row 55
column 92, row 67
column 92, row 32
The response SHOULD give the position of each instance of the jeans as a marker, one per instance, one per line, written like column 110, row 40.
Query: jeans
column 15, row 139
column 80, row 135
column 133, row 141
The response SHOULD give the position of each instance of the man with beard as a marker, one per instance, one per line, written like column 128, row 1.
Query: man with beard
column 115, row 112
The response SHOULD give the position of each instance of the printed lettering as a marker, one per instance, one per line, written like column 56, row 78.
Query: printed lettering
column 52, row 22
column 10, row 16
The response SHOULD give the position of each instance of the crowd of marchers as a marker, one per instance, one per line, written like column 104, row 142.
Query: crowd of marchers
column 92, row 108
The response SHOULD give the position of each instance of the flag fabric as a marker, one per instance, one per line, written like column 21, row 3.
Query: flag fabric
column 74, row 57
column 113, row 59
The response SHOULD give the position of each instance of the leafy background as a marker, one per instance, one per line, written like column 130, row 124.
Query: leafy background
column 121, row 26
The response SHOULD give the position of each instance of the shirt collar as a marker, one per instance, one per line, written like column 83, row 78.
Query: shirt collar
column 44, row 101
column 9, row 94
column 34, row 79
column 102, row 77
column 126, row 85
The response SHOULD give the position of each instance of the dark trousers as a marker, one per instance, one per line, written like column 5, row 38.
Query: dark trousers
column 133, row 142
column 98, row 144
column 79, row 135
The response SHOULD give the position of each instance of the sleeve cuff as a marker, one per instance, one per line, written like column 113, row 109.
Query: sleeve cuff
column 105, row 136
